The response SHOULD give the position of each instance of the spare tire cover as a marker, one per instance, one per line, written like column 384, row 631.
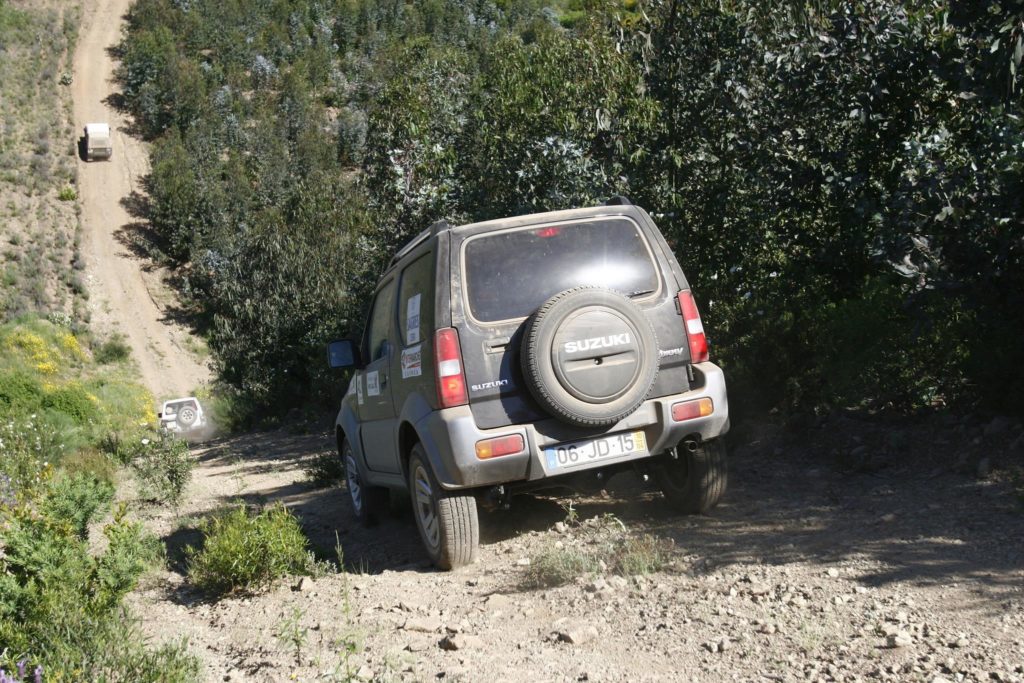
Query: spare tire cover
column 589, row 356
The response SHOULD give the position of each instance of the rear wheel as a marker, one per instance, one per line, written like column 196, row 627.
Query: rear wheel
column 693, row 481
column 447, row 520
column 368, row 502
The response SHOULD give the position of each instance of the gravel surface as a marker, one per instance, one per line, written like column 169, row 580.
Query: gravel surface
column 845, row 550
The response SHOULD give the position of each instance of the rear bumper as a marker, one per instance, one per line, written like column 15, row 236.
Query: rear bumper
column 452, row 434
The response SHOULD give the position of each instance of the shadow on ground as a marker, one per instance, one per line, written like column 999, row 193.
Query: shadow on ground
column 920, row 520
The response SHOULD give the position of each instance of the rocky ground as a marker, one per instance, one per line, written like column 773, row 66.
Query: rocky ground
column 845, row 550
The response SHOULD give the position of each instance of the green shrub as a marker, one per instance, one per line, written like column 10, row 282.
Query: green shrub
column 242, row 550
column 67, row 194
column 163, row 465
column 61, row 607
column 113, row 350
column 91, row 462
column 73, row 400
column 324, row 469
column 76, row 499
column 602, row 544
column 25, row 458
column 558, row 566
column 20, row 391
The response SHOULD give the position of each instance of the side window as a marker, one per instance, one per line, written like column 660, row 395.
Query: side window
column 380, row 319
column 415, row 300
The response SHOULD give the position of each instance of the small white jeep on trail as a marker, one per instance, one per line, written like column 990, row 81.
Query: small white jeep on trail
column 182, row 415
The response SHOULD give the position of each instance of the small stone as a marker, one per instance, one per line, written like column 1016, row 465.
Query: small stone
column 576, row 634
column 759, row 589
column 724, row 644
column 596, row 585
column 365, row 673
column 460, row 641
column 899, row 639
column 417, row 645
column 561, row 527
column 497, row 601
column 833, row 572
column 960, row 642
column 422, row 624
column 304, row 584
column 889, row 517
column 523, row 562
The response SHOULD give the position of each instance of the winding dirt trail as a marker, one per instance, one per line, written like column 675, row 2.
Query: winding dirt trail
column 127, row 294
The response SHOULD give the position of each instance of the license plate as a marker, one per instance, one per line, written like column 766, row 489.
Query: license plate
column 581, row 453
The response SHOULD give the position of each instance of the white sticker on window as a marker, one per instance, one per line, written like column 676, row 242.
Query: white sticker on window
column 412, row 320
column 412, row 362
column 373, row 383
column 359, row 389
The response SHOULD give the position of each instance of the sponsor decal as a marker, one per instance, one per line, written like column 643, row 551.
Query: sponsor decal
column 678, row 351
column 597, row 343
column 412, row 320
column 489, row 385
column 412, row 362
column 359, row 389
column 373, row 383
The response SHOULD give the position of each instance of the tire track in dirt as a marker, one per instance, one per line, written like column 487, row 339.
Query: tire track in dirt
column 128, row 294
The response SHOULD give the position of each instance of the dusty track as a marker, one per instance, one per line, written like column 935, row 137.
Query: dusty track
column 127, row 295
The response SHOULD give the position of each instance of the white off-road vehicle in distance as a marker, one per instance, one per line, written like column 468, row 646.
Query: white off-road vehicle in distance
column 182, row 415
column 97, row 141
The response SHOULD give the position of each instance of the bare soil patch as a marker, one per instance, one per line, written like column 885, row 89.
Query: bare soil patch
column 906, row 566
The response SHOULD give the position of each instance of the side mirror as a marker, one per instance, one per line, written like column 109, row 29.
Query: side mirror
column 342, row 353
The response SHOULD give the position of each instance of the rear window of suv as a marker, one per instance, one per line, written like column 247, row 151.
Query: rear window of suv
column 510, row 274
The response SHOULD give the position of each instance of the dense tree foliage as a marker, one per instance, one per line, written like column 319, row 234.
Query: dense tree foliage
column 841, row 181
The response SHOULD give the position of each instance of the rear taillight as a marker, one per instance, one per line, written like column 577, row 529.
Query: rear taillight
column 451, row 380
column 497, row 447
column 691, row 410
column 694, row 327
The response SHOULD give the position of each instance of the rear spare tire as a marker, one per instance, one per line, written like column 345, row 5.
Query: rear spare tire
column 187, row 415
column 589, row 356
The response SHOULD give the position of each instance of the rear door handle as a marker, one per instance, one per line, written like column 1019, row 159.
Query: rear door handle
column 496, row 345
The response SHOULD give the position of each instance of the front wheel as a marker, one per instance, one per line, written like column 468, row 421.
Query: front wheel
column 693, row 478
column 368, row 502
column 447, row 520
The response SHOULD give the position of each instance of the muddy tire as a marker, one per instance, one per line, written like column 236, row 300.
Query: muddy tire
column 368, row 502
column 693, row 481
column 447, row 520
column 589, row 356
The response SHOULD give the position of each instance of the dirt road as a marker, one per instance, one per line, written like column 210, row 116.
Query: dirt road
column 127, row 295
column 905, row 564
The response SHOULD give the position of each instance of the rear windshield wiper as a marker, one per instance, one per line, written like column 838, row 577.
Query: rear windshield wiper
column 640, row 292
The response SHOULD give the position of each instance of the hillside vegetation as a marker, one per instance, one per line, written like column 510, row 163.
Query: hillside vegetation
column 40, row 263
column 67, row 422
column 841, row 181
